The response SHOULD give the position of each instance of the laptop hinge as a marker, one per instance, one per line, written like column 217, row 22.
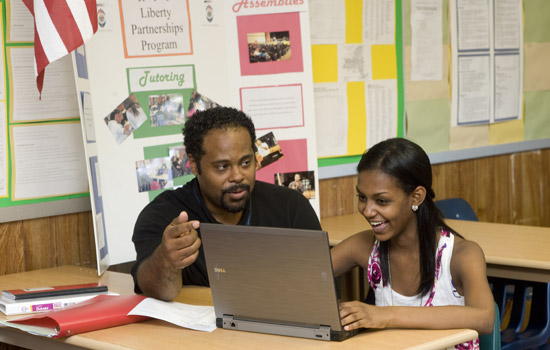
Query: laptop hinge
column 312, row 332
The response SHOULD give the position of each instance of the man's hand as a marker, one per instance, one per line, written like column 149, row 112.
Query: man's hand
column 180, row 242
column 159, row 276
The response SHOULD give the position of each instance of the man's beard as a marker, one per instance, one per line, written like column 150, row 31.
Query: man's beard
column 228, row 204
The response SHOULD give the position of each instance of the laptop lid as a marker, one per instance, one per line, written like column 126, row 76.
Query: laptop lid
column 272, row 280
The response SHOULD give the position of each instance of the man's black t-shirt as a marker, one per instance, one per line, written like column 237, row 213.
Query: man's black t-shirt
column 270, row 205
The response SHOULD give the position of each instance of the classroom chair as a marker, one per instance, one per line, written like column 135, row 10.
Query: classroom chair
column 456, row 208
column 492, row 341
column 529, row 326
column 514, row 309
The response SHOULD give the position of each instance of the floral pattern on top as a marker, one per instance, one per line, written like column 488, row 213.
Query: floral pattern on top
column 374, row 276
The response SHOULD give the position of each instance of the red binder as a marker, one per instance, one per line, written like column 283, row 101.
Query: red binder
column 102, row 311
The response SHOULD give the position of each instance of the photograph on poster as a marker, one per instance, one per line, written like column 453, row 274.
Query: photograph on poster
column 265, row 47
column 265, row 43
column 132, row 111
column 301, row 181
column 179, row 162
column 295, row 158
column 199, row 102
column 125, row 118
column 154, row 174
column 166, row 110
column 267, row 150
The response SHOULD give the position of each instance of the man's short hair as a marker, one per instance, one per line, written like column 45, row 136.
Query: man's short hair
column 219, row 118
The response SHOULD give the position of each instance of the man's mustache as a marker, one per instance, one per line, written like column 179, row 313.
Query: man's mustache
column 236, row 188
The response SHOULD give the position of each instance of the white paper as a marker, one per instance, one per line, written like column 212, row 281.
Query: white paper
column 474, row 92
column 381, row 100
column 507, row 86
column 156, row 28
column 36, row 330
column 274, row 107
column 2, row 70
column 426, row 40
column 21, row 22
column 88, row 117
column 3, row 151
column 59, row 100
column 507, row 24
column 327, row 20
column 100, row 236
column 48, row 160
column 97, row 180
column 379, row 21
column 331, row 120
column 486, row 61
column 354, row 62
column 200, row 318
column 473, row 25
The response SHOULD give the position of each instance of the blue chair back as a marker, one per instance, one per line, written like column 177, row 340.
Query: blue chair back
column 456, row 208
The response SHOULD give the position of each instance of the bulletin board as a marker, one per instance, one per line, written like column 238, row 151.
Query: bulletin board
column 427, row 104
column 42, row 169
column 358, row 77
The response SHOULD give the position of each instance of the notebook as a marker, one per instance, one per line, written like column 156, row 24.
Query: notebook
column 272, row 280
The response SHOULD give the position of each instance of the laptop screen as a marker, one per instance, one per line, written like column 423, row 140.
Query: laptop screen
column 272, row 275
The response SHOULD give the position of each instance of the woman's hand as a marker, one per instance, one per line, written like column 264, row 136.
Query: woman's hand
column 355, row 314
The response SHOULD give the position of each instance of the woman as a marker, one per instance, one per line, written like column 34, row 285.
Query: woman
column 411, row 256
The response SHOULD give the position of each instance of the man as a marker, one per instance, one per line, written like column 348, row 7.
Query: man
column 219, row 145
column 297, row 184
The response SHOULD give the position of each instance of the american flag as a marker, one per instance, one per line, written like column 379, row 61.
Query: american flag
column 60, row 26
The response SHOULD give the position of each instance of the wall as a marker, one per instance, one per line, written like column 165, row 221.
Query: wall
column 513, row 188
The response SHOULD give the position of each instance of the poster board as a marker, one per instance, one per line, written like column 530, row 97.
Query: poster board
column 166, row 65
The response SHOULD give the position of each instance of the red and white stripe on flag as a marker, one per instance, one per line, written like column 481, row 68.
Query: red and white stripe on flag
column 60, row 26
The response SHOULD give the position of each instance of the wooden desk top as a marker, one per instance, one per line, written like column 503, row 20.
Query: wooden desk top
column 154, row 334
column 515, row 247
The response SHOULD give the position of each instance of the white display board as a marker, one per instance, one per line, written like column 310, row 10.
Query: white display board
column 157, row 61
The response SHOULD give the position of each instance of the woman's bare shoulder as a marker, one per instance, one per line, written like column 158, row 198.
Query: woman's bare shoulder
column 467, row 256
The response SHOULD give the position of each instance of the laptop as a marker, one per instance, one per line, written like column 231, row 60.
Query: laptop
column 272, row 280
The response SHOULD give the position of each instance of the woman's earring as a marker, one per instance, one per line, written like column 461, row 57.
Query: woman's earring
column 414, row 207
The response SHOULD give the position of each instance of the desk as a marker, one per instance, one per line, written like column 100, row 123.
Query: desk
column 156, row 334
column 511, row 251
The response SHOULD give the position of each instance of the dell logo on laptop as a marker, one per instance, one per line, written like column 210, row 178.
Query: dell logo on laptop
column 219, row 270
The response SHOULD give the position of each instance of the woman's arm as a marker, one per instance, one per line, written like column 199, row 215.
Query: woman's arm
column 351, row 252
